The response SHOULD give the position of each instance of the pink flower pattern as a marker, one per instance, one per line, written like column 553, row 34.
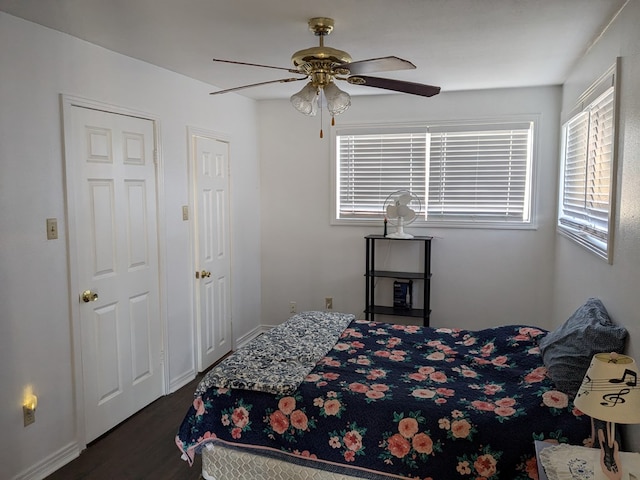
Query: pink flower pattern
column 434, row 400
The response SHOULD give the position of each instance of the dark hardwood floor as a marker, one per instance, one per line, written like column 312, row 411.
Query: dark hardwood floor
column 142, row 447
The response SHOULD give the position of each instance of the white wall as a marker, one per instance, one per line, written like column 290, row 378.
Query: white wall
column 480, row 277
column 36, row 66
column 578, row 273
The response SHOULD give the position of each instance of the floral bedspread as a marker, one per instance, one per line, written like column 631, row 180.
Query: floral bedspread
column 395, row 401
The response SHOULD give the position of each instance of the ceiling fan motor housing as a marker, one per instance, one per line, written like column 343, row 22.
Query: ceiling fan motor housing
column 319, row 62
column 320, row 53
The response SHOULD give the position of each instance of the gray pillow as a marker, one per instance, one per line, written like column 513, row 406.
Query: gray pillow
column 567, row 350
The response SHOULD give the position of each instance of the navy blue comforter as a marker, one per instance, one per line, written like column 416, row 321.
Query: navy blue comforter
column 394, row 401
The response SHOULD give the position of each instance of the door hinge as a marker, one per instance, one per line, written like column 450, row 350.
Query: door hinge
column 155, row 157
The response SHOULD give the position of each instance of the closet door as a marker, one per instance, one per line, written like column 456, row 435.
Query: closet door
column 213, row 262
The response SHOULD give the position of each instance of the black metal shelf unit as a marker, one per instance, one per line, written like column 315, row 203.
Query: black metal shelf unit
column 371, row 309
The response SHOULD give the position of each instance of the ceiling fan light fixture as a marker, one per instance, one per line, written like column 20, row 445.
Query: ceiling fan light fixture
column 306, row 100
column 337, row 100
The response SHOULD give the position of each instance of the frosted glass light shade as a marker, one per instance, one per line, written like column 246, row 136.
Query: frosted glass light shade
column 610, row 389
column 306, row 100
column 337, row 100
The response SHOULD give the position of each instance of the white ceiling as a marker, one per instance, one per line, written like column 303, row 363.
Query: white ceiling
column 455, row 44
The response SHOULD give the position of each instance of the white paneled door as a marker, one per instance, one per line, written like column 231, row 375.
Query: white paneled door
column 111, row 175
column 213, row 259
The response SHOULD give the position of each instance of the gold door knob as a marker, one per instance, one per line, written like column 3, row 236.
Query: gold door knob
column 203, row 274
column 89, row 296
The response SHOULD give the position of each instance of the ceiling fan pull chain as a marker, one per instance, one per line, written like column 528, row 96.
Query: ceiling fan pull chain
column 321, row 133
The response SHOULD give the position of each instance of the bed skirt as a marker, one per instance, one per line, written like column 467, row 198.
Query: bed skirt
column 219, row 463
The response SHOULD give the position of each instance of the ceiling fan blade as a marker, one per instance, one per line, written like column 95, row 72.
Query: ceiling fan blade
column 282, row 80
column 382, row 64
column 255, row 65
column 395, row 85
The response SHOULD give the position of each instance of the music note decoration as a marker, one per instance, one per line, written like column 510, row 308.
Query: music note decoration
column 610, row 389
column 610, row 398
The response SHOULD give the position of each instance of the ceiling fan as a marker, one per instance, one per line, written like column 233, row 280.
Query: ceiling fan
column 322, row 65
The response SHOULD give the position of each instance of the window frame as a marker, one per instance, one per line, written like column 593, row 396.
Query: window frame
column 454, row 125
column 581, row 227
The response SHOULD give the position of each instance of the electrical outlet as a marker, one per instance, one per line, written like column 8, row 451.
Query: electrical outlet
column 328, row 303
column 292, row 307
column 29, row 415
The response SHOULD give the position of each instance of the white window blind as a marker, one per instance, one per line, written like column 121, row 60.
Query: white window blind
column 587, row 174
column 480, row 174
column 373, row 166
column 463, row 173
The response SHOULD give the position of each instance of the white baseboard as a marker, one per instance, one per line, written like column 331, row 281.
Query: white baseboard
column 181, row 381
column 242, row 341
column 53, row 462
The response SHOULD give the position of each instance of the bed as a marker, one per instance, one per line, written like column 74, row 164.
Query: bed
column 364, row 399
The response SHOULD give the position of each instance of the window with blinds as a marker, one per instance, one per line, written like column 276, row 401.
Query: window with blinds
column 480, row 173
column 373, row 166
column 464, row 174
column 587, row 179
